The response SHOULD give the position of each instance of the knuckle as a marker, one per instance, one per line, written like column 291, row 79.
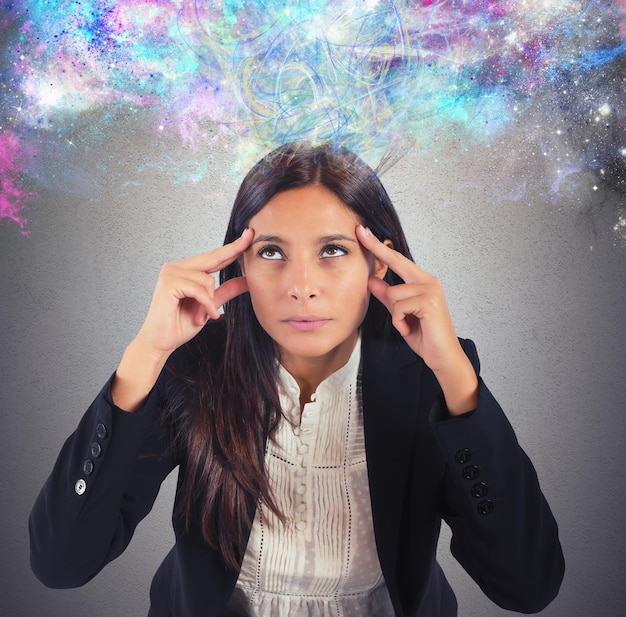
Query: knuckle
column 167, row 270
column 392, row 293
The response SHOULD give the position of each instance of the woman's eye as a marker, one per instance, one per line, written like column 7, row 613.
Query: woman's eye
column 334, row 251
column 270, row 252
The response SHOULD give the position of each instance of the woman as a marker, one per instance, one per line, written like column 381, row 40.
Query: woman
column 323, row 425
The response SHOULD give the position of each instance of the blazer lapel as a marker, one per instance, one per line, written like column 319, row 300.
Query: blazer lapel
column 391, row 374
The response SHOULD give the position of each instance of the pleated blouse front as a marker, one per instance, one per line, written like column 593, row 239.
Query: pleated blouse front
column 322, row 560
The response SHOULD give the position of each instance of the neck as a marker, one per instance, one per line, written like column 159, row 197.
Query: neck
column 310, row 372
column 308, row 376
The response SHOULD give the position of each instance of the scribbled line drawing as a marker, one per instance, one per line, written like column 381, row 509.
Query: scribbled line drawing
column 376, row 76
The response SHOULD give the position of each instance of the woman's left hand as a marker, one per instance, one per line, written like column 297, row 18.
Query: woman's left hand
column 420, row 313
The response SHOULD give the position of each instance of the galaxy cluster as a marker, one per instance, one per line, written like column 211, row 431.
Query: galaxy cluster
column 381, row 77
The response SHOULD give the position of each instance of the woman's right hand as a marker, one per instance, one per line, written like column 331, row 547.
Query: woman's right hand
column 184, row 299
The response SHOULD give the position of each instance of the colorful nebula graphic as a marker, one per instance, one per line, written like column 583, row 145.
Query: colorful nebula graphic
column 378, row 76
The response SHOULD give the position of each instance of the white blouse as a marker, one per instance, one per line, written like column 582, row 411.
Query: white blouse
column 322, row 561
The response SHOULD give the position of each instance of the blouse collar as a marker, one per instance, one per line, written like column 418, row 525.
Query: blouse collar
column 337, row 381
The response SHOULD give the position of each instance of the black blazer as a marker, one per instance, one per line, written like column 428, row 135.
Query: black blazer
column 422, row 466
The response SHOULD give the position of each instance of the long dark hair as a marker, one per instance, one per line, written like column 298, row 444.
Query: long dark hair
column 231, row 401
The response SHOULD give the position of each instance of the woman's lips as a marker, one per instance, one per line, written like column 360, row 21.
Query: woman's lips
column 306, row 324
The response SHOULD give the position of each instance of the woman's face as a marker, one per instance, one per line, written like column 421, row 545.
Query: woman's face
column 307, row 275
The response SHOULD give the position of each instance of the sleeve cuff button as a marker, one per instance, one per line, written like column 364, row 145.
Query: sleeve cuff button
column 471, row 472
column 479, row 490
column 486, row 507
column 80, row 487
column 463, row 456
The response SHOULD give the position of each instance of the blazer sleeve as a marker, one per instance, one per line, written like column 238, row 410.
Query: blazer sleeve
column 104, row 482
column 503, row 532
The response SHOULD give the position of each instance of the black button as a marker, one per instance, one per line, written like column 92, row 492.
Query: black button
column 463, row 456
column 485, row 507
column 96, row 449
column 471, row 472
column 101, row 431
column 88, row 467
column 479, row 490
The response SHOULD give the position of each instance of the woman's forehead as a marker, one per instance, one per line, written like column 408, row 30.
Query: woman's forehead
column 310, row 207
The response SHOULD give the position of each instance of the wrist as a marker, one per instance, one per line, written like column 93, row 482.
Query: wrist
column 136, row 375
column 138, row 350
column 459, row 384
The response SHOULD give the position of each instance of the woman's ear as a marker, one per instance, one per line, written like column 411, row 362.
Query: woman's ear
column 380, row 267
column 242, row 264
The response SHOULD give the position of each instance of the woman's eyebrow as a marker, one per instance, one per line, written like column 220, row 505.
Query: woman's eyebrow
column 321, row 240
column 267, row 238
column 336, row 238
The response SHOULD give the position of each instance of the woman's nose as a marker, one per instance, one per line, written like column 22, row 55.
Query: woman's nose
column 303, row 281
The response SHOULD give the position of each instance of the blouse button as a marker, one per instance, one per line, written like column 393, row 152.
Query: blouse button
column 303, row 449
column 301, row 489
column 300, row 472
column 80, row 487
column 296, row 431
column 301, row 525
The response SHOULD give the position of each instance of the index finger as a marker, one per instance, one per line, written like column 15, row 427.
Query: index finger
column 408, row 270
column 218, row 259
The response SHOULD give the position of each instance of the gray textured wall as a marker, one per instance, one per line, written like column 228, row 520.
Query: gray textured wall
column 534, row 285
